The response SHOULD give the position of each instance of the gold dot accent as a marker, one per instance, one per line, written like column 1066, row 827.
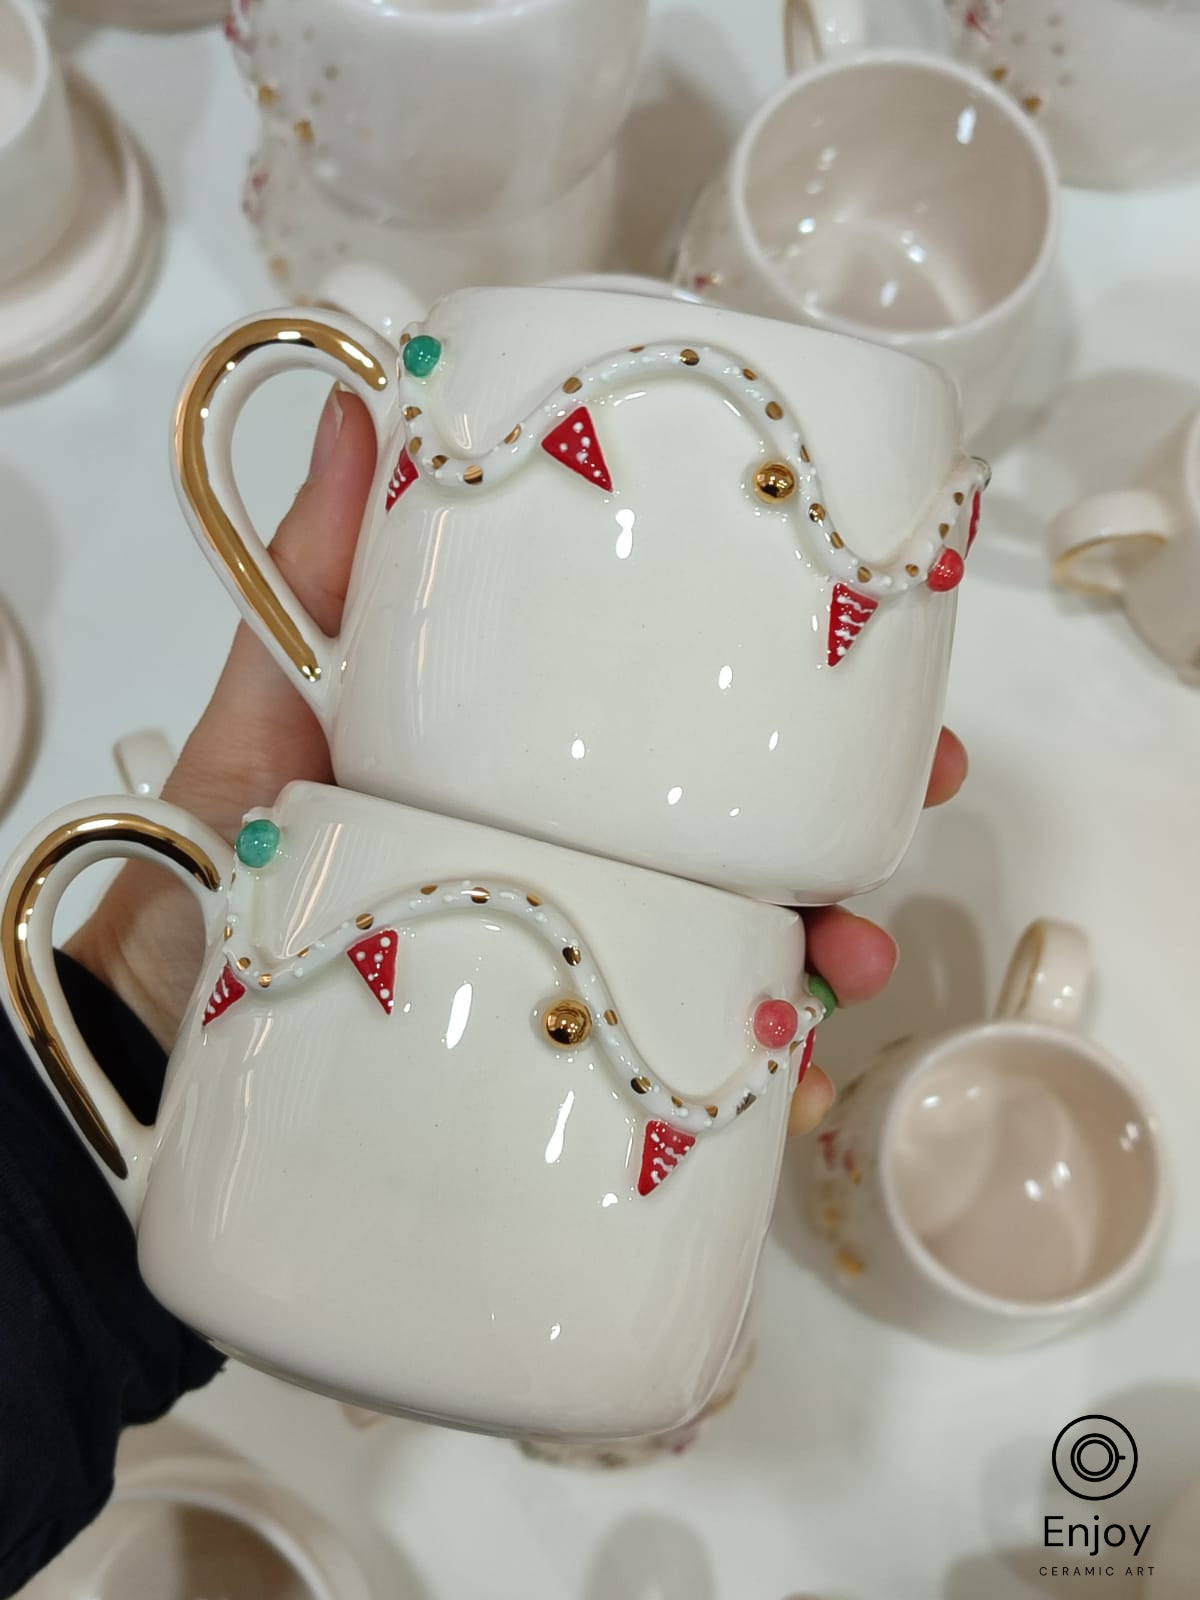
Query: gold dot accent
column 847, row 1262
column 228, row 931
column 689, row 357
column 677, row 1102
column 831, row 1216
column 958, row 497
column 242, row 963
column 816, row 511
column 429, row 888
column 266, row 95
column 943, row 529
column 411, row 413
column 572, row 385
column 300, row 954
column 774, row 410
column 913, row 570
column 438, row 463
column 641, row 1085
column 567, row 1023
column 481, row 896
column 610, row 1016
column 514, row 435
column 534, row 900
column 635, row 348
column 804, row 455
column 331, row 73
column 864, row 574
column 745, row 1103
column 1032, row 104
column 264, row 980
column 999, row 74
column 749, row 372
column 775, row 480
column 794, row 1046
column 415, row 443
column 304, row 131
column 856, row 1176
column 277, row 267
column 473, row 475
column 364, row 921
column 404, row 338
column 571, row 955
column 836, row 539
column 713, row 1111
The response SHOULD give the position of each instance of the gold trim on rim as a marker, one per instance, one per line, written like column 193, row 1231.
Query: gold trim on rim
column 28, row 996
column 190, row 418
column 1065, row 562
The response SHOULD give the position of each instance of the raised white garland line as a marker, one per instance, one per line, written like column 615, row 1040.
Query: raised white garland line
column 760, row 402
column 269, row 975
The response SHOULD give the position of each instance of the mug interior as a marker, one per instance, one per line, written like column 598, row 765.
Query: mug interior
column 1022, row 1165
column 892, row 196
column 21, row 67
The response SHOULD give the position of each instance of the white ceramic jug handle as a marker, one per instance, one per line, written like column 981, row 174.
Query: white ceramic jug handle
column 1047, row 975
column 814, row 29
column 220, row 384
column 1096, row 544
column 374, row 296
column 33, row 884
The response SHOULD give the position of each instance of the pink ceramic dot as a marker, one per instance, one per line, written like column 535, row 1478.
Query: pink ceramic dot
column 776, row 1023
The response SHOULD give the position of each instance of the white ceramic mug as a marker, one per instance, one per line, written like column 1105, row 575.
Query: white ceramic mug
column 304, row 236
column 458, row 1124
column 816, row 28
column 1114, row 82
column 1142, row 545
column 435, row 111
column 994, row 1187
column 894, row 197
column 636, row 576
column 39, row 168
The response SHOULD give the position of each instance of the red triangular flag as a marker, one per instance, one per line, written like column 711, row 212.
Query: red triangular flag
column 574, row 443
column 849, row 613
column 404, row 474
column 976, row 507
column 229, row 989
column 662, row 1151
column 806, row 1056
column 374, row 959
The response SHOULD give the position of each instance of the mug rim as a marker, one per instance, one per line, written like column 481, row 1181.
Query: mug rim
column 35, row 31
column 935, row 66
column 1113, row 1285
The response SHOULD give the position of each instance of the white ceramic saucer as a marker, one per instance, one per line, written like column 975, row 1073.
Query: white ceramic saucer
column 70, row 308
column 16, row 704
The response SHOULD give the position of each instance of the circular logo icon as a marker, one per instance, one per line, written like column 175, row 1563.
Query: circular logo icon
column 1094, row 1457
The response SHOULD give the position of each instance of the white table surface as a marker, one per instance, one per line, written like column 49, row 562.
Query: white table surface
column 858, row 1463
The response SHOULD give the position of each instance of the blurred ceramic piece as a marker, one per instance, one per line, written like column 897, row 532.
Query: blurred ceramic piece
column 891, row 196
column 460, row 1125
column 189, row 1519
column 1142, row 546
column 1114, row 83
column 66, row 311
column 39, row 163
column 813, row 29
column 432, row 111
column 997, row 1186
column 16, row 705
column 149, row 16
column 144, row 761
column 624, row 283
column 304, row 237
column 631, row 572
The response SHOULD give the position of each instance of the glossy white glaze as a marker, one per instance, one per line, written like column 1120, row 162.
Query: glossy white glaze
column 429, row 112
column 996, row 1186
column 643, row 671
column 393, row 1207
column 39, row 164
column 927, row 222
column 1113, row 82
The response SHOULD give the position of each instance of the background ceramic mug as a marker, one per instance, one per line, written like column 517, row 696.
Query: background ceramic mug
column 994, row 1187
column 638, row 576
column 1143, row 546
column 1112, row 81
column 438, row 111
column 458, row 1124
column 39, row 169
column 895, row 197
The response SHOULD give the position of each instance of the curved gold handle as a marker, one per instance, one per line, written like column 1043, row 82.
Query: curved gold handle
column 205, row 418
column 32, row 994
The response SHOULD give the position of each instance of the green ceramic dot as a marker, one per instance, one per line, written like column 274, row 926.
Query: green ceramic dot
column 821, row 991
column 257, row 842
column 422, row 354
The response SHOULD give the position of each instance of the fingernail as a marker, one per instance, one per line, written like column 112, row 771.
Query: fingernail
column 328, row 429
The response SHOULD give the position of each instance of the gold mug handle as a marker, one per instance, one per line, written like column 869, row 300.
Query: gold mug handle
column 210, row 403
column 33, row 884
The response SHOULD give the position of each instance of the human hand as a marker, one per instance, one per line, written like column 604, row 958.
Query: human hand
column 257, row 734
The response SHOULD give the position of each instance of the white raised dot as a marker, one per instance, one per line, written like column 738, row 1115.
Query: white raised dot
column 385, row 942
column 385, row 994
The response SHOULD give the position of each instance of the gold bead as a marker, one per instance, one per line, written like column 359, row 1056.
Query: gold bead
column 774, row 480
column 567, row 1023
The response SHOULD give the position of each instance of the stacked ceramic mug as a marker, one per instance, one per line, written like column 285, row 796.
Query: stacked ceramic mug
column 479, row 1111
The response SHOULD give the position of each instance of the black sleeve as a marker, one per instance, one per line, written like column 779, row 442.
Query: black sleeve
column 85, row 1349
